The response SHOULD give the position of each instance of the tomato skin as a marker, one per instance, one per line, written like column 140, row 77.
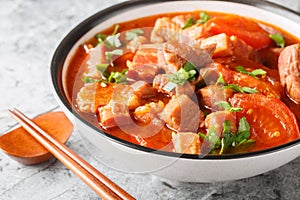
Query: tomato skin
column 245, row 29
column 271, row 121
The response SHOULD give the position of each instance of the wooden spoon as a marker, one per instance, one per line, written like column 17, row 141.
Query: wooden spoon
column 21, row 146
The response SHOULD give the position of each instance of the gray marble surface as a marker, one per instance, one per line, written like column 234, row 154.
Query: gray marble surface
column 30, row 31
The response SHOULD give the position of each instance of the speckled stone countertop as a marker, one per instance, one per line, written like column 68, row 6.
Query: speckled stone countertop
column 29, row 33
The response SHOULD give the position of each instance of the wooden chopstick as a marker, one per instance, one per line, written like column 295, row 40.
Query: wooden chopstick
column 103, row 186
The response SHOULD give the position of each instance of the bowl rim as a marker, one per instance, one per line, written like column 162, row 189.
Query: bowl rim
column 83, row 27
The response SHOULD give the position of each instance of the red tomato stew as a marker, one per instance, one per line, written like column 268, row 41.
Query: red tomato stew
column 198, row 82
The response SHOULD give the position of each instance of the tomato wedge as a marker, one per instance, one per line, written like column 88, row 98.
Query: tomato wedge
column 271, row 121
column 245, row 29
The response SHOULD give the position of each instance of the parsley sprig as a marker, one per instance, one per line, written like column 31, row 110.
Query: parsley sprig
column 110, row 41
column 228, row 139
column 278, row 39
column 235, row 87
column 187, row 73
column 253, row 73
column 226, row 106
column 131, row 34
column 204, row 17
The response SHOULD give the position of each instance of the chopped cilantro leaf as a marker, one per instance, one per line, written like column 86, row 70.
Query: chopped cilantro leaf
column 220, row 80
column 117, row 77
column 212, row 138
column 201, row 135
column 204, row 17
column 230, row 139
column 113, row 41
column 253, row 73
column 101, row 37
column 189, row 23
column 109, row 55
column 226, row 106
column 131, row 34
column 278, row 39
column 102, row 67
column 87, row 79
column 237, row 88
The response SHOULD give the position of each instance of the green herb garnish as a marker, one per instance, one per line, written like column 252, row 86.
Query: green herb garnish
column 187, row 73
column 237, row 88
column 253, row 73
column 212, row 138
column 278, row 39
column 230, row 139
column 204, row 17
column 88, row 79
column 220, row 80
column 109, row 55
column 189, row 23
column 131, row 34
column 117, row 77
column 226, row 106
column 201, row 135
column 113, row 41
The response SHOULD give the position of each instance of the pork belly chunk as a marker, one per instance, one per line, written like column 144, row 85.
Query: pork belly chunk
column 213, row 93
column 143, row 89
column 289, row 70
column 182, row 114
column 228, row 46
column 92, row 95
column 161, row 80
column 114, row 114
column 199, row 56
column 217, row 120
column 146, row 113
column 134, row 44
column 186, row 142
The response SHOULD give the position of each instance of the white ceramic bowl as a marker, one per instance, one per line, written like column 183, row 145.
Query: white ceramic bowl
column 129, row 157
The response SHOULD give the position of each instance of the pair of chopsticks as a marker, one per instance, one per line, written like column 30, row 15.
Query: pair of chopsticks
column 103, row 186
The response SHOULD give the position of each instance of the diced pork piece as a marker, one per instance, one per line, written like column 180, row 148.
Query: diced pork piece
column 165, row 30
column 293, row 87
column 186, row 142
column 144, row 65
column 181, row 20
column 212, row 94
column 228, row 46
column 222, row 41
column 289, row 70
column 143, row 89
column 182, row 114
column 114, row 114
column 125, row 94
column 134, row 44
column 193, row 34
column 217, row 120
column 92, row 95
column 146, row 56
column 142, row 72
column 146, row 113
column 169, row 62
column 161, row 80
column 240, row 48
column 194, row 54
column 96, row 56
